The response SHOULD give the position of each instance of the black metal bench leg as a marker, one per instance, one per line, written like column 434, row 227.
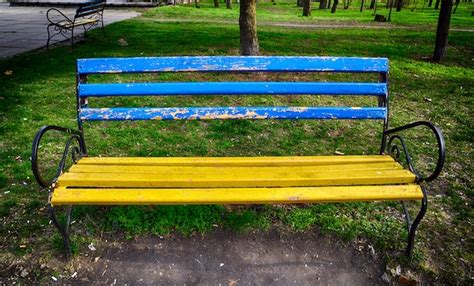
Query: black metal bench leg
column 413, row 226
column 49, row 36
column 103, row 27
column 63, row 229
column 72, row 37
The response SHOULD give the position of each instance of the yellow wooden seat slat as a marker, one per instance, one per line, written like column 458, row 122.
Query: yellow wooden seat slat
column 65, row 196
column 80, row 22
column 86, row 168
column 238, row 161
column 225, row 178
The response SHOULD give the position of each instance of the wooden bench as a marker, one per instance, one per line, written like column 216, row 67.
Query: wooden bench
column 235, row 180
column 87, row 16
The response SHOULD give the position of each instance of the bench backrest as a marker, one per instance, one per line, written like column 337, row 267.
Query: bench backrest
column 90, row 8
column 229, row 64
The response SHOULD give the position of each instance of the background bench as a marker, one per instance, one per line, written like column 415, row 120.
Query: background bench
column 235, row 180
column 87, row 16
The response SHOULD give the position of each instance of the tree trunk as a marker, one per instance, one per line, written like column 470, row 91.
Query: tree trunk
column 299, row 3
column 196, row 2
column 346, row 4
column 306, row 8
column 399, row 5
column 456, row 7
column 216, row 3
column 228, row 4
column 329, row 4
column 248, row 28
column 322, row 4
column 430, row 3
column 334, row 6
column 437, row 5
column 361, row 5
column 390, row 13
column 372, row 4
column 441, row 45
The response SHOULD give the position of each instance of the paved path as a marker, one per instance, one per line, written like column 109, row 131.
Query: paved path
column 23, row 29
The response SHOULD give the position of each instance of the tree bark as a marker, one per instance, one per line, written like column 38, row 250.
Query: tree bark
column 248, row 28
column 196, row 2
column 216, row 3
column 399, row 5
column 372, row 4
column 322, row 4
column 228, row 4
column 329, row 4
column 441, row 44
column 456, row 7
column 361, row 5
column 306, row 8
column 334, row 6
column 430, row 3
column 347, row 3
column 437, row 5
column 299, row 3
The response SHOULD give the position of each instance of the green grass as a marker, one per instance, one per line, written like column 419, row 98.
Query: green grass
column 287, row 12
column 40, row 91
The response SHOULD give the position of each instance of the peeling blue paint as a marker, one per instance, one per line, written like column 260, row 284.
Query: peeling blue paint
column 231, row 64
column 222, row 113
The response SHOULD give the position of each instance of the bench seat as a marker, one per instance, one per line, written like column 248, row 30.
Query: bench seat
column 67, row 24
column 234, row 180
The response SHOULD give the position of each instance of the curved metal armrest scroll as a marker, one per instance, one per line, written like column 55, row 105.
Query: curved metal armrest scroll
column 394, row 149
column 58, row 14
column 76, row 152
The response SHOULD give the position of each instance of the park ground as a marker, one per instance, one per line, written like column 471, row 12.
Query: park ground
column 38, row 88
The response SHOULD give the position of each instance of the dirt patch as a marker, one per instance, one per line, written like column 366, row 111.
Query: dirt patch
column 226, row 258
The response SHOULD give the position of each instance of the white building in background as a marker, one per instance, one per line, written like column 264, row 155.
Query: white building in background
column 109, row 2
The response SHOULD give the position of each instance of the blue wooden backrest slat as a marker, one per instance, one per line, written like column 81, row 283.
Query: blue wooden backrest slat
column 222, row 113
column 232, row 88
column 231, row 64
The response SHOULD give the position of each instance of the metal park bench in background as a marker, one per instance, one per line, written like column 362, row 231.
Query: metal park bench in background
column 87, row 16
column 235, row 180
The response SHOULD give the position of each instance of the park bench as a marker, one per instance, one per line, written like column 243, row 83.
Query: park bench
column 87, row 16
column 235, row 180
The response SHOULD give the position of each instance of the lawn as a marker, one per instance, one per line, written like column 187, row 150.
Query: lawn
column 39, row 88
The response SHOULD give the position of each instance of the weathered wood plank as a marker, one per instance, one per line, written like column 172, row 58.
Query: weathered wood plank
column 231, row 64
column 236, row 179
column 65, row 196
column 123, row 169
column 223, row 113
column 232, row 88
column 276, row 161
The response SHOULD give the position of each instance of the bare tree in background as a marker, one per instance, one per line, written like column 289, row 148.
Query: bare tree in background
column 248, row 28
column 306, row 8
column 334, row 6
column 441, row 44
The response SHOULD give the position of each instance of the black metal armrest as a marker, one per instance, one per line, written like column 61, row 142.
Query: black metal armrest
column 53, row 13
column 76, row 153
column 392, row 135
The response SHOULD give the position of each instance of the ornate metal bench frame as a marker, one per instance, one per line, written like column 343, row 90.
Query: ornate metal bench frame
column 88, row 15
column 392, row 143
